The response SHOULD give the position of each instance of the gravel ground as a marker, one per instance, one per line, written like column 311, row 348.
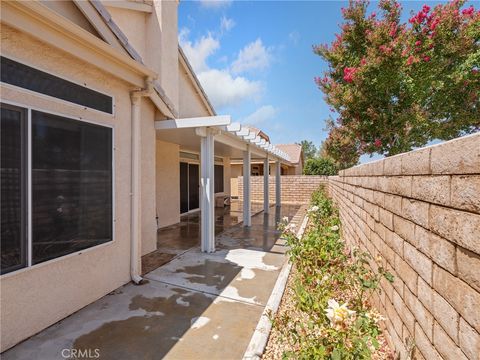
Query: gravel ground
column 277, row 344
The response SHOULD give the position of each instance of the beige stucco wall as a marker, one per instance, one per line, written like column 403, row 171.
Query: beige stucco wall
column 154, row 36
column 36, row 297
column 71, row 12
column 132, row 24
column 148, row 184
column 162, row 46
column 168, row 183
column 236, row 170
column 191, row 104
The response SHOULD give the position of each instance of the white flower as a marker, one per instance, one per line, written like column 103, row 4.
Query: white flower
column 334, row 228
column 336, row 313
column 285, row 219
column 313, row 208
column 291, row 227
column 376, row 317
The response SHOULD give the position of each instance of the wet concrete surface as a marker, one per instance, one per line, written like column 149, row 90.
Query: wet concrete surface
column 197, row 306
column 177, row 238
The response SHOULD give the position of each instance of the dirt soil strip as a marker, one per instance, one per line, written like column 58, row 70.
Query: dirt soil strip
column 259, row 338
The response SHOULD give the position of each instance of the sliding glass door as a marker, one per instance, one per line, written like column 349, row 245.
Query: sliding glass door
column 189, row 187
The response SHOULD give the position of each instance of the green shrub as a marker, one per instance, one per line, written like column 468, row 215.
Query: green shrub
column 320, row 166
column 332, row 285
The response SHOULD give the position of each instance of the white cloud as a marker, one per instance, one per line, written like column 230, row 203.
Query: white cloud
column 198, row 52
column 261, row 115
column 226, row 24
column 223, row 89
column 253, row 56
column 294, row 37
column 215, row 4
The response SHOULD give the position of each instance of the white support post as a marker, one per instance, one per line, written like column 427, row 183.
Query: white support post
column 247, row 210
column 266, row 176
column 207, row 200
column 278, row 184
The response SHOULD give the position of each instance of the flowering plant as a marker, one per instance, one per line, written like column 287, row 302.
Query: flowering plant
column 333, row 287
column 394, row 85
column 338, row 314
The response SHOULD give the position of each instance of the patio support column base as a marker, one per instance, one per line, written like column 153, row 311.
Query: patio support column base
column 247, row 210
column 278, row 184
column 266, row 176
column 207, row 197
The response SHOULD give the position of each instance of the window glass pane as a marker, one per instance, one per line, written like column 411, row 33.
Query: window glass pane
column 218, row 174
column 13, row 189
column 71, row 186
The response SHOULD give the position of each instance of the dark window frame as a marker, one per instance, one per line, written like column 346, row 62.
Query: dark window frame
column 42, row 82
column 27, row 145
column 24, row 166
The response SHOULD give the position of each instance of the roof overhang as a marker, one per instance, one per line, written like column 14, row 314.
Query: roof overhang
column 231, row 139
column 38, row 21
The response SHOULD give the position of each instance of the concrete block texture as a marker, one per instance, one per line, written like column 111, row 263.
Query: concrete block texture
column 419, row 213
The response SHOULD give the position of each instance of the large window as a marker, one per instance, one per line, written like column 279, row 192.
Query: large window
column 70, row 187
column 13, row 232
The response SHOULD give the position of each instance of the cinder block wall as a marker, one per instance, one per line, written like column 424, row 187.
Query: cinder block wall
column 420, row 212
column 296, row 189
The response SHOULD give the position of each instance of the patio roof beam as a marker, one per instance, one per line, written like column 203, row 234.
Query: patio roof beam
column 231, row 134
column 233, row 127
column 205, row 121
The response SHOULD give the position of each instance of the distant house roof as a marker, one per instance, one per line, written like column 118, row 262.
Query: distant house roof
column 259, row 132
column 294, row 151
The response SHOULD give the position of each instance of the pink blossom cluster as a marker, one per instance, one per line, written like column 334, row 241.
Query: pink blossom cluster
column 349, row 74
column 321, row 81
column 385, row 49
column 421, row 15
column 468, row 12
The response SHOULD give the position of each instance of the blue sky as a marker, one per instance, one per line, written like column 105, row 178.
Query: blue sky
column 255, row 60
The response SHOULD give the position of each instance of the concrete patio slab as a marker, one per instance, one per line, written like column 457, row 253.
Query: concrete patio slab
column 240, row 274
column 150, row 321
column 198, row 306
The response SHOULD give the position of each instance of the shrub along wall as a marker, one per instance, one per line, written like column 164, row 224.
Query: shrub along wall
column 420, row 212
column 296, row 189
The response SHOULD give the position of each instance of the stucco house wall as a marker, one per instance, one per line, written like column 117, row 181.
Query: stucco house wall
column 167, row 183
column 148, row 183
column 155, row 37
column 191, row 104
column 64, row 285
column 227, row 175
column 132, row 24
column 71, row 12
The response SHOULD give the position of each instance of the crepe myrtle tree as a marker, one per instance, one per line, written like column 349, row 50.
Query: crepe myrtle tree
column 395, row 86
column 340, row 147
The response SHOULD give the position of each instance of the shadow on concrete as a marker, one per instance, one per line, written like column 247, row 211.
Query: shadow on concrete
column 197, row 306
